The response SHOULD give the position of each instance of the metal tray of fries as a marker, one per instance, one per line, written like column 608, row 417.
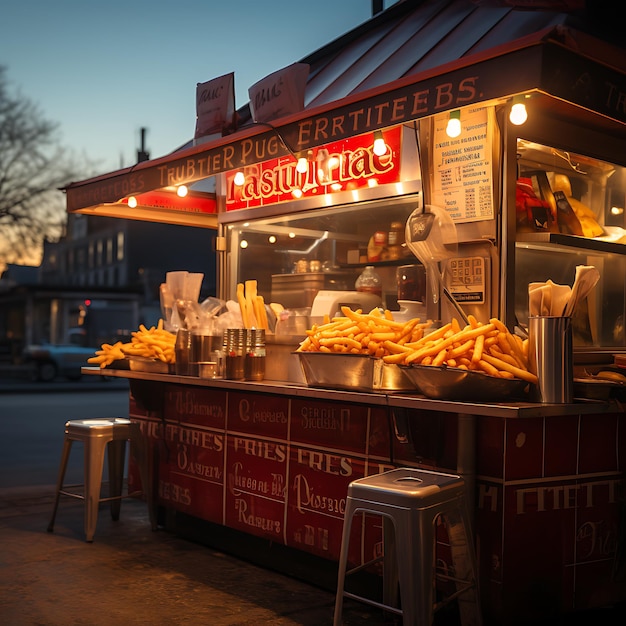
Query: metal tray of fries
column 352, row 372
column 154, row 366
column 454, row 383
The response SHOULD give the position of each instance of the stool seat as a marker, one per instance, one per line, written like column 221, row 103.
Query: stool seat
column 101, row 436
column 410, row 501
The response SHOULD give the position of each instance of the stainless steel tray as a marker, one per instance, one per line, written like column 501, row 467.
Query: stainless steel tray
column 453, row 383
column 154, row 366
column 352, row 372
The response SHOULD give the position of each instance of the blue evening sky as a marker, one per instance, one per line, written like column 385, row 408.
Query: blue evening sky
column 103, row 70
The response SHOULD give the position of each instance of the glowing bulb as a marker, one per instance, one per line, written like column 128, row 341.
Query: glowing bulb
column 296, row 193
column 243, row 244
column 518, row 114
column 182, row 191
column 132, row 202
column 380, row 147
column 302, row 165
column 453, row 129
column 292, row 235
column 272, row 238
column 239, row 179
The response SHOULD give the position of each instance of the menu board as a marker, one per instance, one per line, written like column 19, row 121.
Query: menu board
column 463, row 172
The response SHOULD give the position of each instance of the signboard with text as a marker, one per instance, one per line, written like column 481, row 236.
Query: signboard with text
column 342, row 165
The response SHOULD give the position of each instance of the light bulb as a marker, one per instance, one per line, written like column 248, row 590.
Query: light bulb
column 380, row 147
column 132, row 202
column 453, row 129
column 302, row 165
column 182, row 191
column 518, row 114
column 239, row 178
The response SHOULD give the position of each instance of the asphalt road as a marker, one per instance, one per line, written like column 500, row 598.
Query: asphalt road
column 32, row 418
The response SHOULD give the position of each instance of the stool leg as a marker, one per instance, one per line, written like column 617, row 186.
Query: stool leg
column 65, row 455
column 415, row 554
column 116, row 456
column 471, row 604
column 390, row 564
column 343, row 561
column 94, row 465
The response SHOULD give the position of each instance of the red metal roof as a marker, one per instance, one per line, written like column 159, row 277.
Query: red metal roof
column 414, row 36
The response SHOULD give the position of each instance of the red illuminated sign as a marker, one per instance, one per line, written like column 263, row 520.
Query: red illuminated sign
column 191, row 203
column 340, row 166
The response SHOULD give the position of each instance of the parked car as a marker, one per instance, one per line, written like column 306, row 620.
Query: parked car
column 51, row 360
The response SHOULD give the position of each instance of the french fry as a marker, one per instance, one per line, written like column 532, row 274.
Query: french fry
column 507, row 367
column 250, row 295
column 243, row 305
column 261, row 313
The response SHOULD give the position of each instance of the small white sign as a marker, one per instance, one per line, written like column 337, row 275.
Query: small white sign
column 279, row 94
column 215, row 105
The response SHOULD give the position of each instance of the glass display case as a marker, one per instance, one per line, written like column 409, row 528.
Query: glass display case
column 569, row 212
column 294, row 255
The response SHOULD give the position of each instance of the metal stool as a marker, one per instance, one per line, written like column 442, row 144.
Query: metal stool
column 98, row 435
column 412, row 500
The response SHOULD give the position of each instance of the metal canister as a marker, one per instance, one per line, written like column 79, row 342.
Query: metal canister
column 254, row 364
column 234, row 349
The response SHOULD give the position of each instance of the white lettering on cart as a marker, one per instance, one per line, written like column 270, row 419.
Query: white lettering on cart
column 308, row 500
column 255, row 521
column 261, row 449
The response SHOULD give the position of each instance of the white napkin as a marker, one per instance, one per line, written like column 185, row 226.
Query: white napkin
column 550, row 299
column 547, row 298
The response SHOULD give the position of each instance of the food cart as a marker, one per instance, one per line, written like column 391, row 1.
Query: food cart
column 272, row 459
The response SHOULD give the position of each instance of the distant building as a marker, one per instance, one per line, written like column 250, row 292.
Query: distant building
column 102, row 277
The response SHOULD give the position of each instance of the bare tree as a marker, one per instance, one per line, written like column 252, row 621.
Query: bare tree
column 33, row 168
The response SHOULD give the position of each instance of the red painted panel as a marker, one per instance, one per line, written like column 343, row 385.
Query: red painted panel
column 598, row 522
column 182, row 492
column 598, row 443
column 524, row 449
column 379, row 433
column 191, row 475
column 195, row 405
column 255, row 515
column 488, row 515
column 561, row 449
column 318, row 487
column 621, row 442
column 255, row 479
column 539, row 534
column 490, row 442
column 257, row 413
column 332, row 425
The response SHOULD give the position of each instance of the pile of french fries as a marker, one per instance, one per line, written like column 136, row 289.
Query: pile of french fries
column 487, row 347
column 251, row 305
column 152, row 343
column 362, row 333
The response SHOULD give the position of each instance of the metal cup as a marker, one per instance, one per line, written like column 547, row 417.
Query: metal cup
column 551, row 358
column 202, row 345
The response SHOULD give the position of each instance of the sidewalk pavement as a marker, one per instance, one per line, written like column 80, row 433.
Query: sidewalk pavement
column 132, row 576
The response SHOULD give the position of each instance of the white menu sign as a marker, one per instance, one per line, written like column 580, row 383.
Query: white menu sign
column 463, row 176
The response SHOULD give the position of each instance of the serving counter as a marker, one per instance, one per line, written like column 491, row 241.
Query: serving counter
column 273, row 460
